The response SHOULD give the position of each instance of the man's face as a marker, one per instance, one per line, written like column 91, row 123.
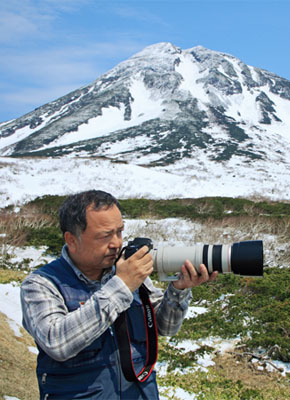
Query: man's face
column 99, row 245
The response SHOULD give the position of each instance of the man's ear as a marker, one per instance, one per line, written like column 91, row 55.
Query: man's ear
column 71, row 241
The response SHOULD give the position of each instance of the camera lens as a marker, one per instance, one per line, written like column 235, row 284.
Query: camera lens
column 242, row 258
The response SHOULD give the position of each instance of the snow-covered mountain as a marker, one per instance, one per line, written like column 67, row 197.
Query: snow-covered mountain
column 197, row 113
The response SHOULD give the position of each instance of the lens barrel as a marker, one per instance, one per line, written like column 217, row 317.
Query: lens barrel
column 242, row 258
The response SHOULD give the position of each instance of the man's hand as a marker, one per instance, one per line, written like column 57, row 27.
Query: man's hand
column 190, row 278
column 135, row 269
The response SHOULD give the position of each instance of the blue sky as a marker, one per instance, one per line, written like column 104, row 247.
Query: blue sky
column 51, row 47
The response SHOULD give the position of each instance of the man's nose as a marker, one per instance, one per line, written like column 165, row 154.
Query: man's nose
column 116, row 242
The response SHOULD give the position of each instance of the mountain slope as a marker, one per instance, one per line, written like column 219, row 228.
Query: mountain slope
column 162, row 105
column 196, row 122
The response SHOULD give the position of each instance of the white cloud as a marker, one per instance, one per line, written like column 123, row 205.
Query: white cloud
column 13, row 26
column 42, row 75
column 45, row 54
column 22, row 19
column 32, row 97
column 66, row 63
column 47, row 66
column 137, row 13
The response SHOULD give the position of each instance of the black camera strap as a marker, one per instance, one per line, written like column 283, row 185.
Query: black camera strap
column 123, row 339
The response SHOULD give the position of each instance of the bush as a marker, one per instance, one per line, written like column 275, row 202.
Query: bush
column 49, row 236
column 256, row 309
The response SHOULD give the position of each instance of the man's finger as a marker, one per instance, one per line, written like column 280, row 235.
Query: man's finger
column 140, row 253
column 190, row 269
column 185, row 272
column 213, row 276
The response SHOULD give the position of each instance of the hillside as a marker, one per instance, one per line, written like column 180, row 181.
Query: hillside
column 194, row 120
column 166, row 102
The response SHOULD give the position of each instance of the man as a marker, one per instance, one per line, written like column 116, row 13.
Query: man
column 70, row 305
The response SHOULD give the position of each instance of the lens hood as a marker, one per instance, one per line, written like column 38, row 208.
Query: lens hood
column 247, row 258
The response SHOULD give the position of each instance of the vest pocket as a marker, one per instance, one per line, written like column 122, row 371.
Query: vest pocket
column 88, row 355
column 85, row 376
column 66, row 387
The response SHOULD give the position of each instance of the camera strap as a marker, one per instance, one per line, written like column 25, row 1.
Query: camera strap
column 123, row 339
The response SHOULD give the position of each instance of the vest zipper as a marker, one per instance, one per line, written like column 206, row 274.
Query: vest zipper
column 118, row 365
column 43, row 378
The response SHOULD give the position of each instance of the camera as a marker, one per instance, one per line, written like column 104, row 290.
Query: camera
column 242, row 258
column 136, row 244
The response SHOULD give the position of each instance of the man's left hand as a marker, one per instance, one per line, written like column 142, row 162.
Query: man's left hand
column 189, row 277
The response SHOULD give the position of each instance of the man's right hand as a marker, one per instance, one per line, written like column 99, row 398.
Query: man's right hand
column 135, row 269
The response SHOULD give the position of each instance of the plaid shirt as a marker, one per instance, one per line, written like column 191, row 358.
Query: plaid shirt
column 63, row 334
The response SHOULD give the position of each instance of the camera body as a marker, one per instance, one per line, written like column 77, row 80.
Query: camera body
column 136, row 244
column 241, row 258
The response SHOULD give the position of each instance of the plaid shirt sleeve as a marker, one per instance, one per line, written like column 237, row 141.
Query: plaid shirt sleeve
column 170, row 307
column 63, row 334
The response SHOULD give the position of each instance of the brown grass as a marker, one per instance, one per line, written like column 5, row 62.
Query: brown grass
column 10, row 275
column 17, row 364
column 14, row 226
column 229, row 367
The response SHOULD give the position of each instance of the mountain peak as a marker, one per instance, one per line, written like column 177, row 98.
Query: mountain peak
column 166, row 107
column 157, row 49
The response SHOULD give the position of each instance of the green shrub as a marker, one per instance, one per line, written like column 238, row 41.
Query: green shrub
column 201, row 208
column 49, row 236
column 256, row 309
column 48, row 204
